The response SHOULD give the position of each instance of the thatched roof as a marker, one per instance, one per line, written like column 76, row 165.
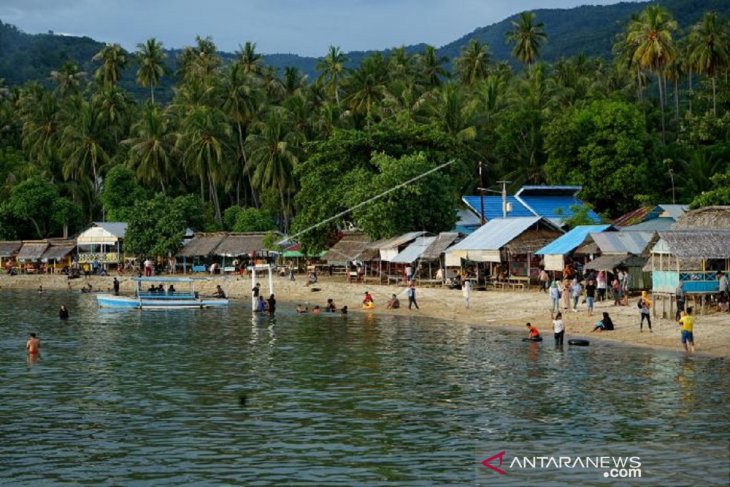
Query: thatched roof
column 32, row 250
column 202, row 245
column 58, row 251
column 532, row 240
column 610, row 262
column 9, row 249
column 349, row 248
column 236, row 244
column 443, row 242
column 708, row 218
column 695, row 244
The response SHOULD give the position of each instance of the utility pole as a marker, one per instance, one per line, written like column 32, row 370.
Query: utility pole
column 481, row 188
column 504, row 197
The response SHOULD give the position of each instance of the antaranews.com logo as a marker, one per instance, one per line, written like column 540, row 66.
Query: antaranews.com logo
column 611, row 467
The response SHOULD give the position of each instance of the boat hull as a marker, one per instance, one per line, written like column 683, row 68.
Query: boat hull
column 126, row 302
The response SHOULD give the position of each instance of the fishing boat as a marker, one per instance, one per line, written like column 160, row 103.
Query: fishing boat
column 148, row 299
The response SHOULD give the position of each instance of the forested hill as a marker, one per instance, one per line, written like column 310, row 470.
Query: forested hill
column 588, row 29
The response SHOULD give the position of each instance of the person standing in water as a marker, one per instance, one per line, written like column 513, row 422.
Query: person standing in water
column 271, row 304
column 33, row 345
column 559, row 329
column 115, row 286
column 466, row 292
column 63, row 313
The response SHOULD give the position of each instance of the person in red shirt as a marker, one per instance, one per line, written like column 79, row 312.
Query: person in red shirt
column 534, row 333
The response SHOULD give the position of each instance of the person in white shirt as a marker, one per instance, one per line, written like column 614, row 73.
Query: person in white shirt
column 559, row 329
column 466, row 292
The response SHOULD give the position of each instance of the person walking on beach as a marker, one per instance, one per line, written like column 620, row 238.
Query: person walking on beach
column 565, row 293
column 601, row 285
column 590, row 295
column 626, row 287
column 616, row 291
column 644, row 305
column 559, row 329
column 575, row 290
column 412, row 296
column 687, row 322
column 555, row 297
column 466, row 292
column 723, row 286
column 544, row 280
column 63, row 313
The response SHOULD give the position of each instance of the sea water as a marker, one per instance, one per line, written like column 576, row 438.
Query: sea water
column 221, row 396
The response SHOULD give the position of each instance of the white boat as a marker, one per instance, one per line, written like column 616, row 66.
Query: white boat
column 161, row 299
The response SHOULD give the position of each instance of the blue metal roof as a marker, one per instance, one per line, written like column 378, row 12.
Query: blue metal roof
column 556, row 208
column 571, row 240
column 493, row 206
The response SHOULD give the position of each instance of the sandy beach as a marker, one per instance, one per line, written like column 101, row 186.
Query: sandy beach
column 510, row 309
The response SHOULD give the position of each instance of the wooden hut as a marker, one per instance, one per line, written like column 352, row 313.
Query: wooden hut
column 30, row 254
column 58, row 255
column 8, row 251
column 199, row 249
column 623, row 250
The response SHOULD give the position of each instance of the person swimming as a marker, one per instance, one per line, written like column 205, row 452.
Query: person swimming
column 301, row 309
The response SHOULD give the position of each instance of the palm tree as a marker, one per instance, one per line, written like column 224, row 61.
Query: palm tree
column 527, row 36
column 150, row 146
column 241, row 104
column 366, row 87
column 649, row 38
column 83, row 146
column 112, row 104
column 473, row 62
column 273, row 147
column 294, row 81
column 113, row 60
column 710, row 49
column 431, row 67
column 249, row 59
column 39, row 114
column 202, row 141
column 151, row 64
column 69, row 78
column 332, row 69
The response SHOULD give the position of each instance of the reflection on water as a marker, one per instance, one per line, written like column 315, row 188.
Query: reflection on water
column 155, row 397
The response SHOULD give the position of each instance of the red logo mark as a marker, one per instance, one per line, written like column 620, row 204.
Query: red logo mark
column 488, row 461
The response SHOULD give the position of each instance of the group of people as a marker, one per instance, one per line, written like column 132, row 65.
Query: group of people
column 263, row 305
column 330, row 307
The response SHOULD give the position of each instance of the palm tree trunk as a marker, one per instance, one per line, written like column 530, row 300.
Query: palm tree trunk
column 245, row 165
column 638, row 84
column 676, row 97
column 661, row 103
column 214, row 199
column 689, row 96
column 152, row 93
column 283, row 211
column 714, row 97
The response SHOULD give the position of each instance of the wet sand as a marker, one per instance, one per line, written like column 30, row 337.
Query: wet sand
column 511, row 309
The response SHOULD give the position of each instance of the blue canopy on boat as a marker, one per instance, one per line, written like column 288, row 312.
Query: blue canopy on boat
column 167, row 279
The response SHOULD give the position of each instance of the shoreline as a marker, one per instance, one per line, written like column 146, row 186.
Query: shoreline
column 508, row 310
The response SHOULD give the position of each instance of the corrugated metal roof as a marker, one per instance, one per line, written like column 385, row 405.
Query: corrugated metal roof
column 496, row 233
column 439, row 246
column 556, row 208
column 653, row 225
column 467, row 218
column 674, row 211
column 493, row 206
column 622, row 242
column 566, row 243
column 414, row 251
column 395, row 242
column 118, row 229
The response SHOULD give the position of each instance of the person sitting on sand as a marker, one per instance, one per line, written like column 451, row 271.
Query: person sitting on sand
column 219, row 293
column 330, row 308
column 533, row 334
column 301, row 309
column 312, row 279
column 316, row 310
column 393, row 302
column 606, row 324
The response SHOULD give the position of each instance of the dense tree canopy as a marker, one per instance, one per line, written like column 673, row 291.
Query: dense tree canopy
column 263, row 149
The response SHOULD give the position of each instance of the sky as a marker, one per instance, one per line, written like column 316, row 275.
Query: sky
column 304, row 27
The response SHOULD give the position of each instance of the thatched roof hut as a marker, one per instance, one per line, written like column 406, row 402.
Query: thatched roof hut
column 349, row 248
column 709, row 218
column 443, row 242
column 202, row 244
column 237, row 244
column 694, row 244
column 32, row 250
column 9, row 249
column 58, row 251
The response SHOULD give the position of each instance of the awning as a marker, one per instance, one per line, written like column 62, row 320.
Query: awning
column 610, row 262
column 58, row 252
column 9, row 249
column 414, row 251
column 32, row 251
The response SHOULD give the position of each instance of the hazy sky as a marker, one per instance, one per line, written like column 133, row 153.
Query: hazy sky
column 305, row 27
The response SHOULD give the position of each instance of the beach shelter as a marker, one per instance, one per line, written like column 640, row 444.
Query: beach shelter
column 626, row 250
column 58, row 254
column 555, row 252
column 30, row 253
column 391, row 247
column 414, row 251
column 349, row 248
column 505, row 240
column 102, row 241
column 8, row 251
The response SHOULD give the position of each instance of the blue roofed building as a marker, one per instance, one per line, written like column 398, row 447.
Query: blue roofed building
column 555, row 252
column 550, row 202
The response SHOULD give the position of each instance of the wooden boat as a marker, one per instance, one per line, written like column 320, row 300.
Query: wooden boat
column 161, row 299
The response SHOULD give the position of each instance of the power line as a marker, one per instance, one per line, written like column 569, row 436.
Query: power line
column 369, row 200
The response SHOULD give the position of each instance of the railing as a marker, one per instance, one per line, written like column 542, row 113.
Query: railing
column 102, row 258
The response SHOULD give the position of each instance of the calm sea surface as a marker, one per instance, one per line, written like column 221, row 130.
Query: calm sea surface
column 125, row 398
